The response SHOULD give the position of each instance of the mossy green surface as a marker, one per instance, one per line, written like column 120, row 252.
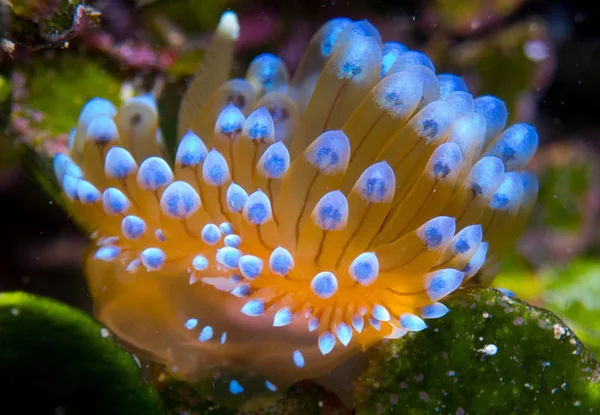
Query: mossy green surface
column 58, row 87
column 490, row 355
column 56, row 359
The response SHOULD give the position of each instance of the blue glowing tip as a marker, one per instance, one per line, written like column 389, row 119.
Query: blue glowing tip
column 344, row 333
column 282, row 318
column 206, row 334
column 298, row 359
column 412, row 322
column 326, row 342
column 435, row 310
column 235, row 387
column 254, row 308
column 191, row 324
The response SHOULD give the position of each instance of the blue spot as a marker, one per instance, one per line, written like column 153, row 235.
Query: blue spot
column 441, row 170
column 200, row 263
column 154, row 173
column 87, row 192
column 376, row 324
column 358, row 323
column 350, row 70
column 216, row 173
column 236, row 198
column 298, row 359
column 223, row 338
column 133, row 227
column 250, row 266
column 107, row 253
column 119, row 163
column 270, row 386
column 326, row 342
column 508, row 153
column 254, row 308
column 329, row 217
column 210, row 234
column 231, row 128
column 191, row 324
column 375, row 189
column 363, row 270
column 233, row 241
column 326, row 157
column 435, row 310
column 235, row 387
column 313, row 324
column 206, row 334
column 462, row 246
column 411, row 322
column 324, row 285
column 282, row 318
column 281, row 261
column 443, row 282
column 344, row 333
column 257, row 213
column 335, row 27
column 499, row 201
column 242, row 290
column 114, row 201
column 191, row 150
column 380, row 313
column 429, row 128
column 451, row 83
column 229, row 257
column 153, row 258
column 506, row 292
column 392, row 100
column 275, row 166
column 236, row 201
column 433, row 237
column 258, row 131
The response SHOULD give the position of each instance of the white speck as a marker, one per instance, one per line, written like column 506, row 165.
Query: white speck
column 558, row 331
column 489, row 349
column 104, row 332
column 485, row 314
column 15, row 312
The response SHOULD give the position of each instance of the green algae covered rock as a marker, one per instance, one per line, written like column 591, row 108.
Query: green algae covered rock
column 57, row 360
column 490, row 354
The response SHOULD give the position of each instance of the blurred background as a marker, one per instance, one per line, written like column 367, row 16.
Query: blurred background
column 541, row 57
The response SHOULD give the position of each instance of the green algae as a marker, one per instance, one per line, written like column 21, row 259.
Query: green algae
column 60, row 357
column 490, row 354
column 59, row 86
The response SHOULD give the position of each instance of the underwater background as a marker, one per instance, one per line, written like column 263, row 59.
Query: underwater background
column 539, row 57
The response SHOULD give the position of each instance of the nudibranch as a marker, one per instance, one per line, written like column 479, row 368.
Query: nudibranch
column 304, row 218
